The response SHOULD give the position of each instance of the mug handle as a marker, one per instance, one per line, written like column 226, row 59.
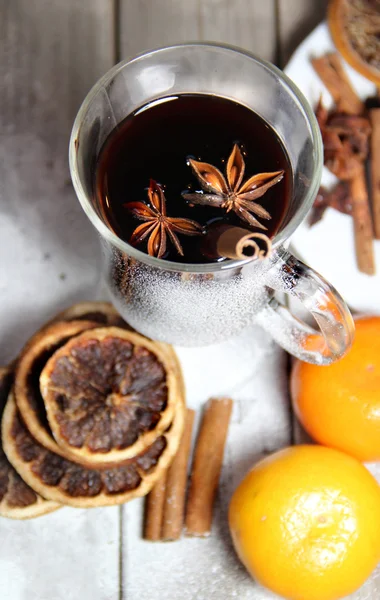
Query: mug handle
column 290, row 275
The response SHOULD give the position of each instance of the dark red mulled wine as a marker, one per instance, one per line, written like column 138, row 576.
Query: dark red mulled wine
column 158, row 146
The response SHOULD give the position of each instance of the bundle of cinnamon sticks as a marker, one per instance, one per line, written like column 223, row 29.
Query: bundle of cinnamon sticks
column 168, row 506
column 351, row 137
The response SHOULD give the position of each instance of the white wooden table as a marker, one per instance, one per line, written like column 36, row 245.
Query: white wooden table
column 51, row 52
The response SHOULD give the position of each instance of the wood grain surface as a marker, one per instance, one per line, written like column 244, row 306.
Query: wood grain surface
column 146, row 24
column 51, row 53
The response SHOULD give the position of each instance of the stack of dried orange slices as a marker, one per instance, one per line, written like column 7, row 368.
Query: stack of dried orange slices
column 92, row 415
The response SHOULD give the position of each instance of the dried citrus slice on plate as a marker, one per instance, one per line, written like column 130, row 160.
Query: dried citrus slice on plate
column 355, row 26
column 17, row 499
column 109, row 393
column 30, row 364
column 70, row 483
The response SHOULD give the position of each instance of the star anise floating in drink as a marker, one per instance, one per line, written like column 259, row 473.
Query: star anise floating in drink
column 227, row 192
column 230, row 192
column 157, row 226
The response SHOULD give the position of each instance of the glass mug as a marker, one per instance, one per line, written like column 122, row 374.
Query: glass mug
column 198, row 304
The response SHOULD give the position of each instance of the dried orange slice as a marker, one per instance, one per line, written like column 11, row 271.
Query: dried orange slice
column 69, row 483
column 109, row 393
column 355, row 26
column 17, row 499
column 30, row 364
column 100, row 312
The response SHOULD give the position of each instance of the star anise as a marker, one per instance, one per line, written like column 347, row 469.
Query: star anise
column 229, row 192
column 158, row 226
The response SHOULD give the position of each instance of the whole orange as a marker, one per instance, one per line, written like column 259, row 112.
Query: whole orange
column 306, row 523
column 339, row 405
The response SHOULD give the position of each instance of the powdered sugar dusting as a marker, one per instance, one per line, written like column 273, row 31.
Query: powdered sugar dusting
column 186, row 308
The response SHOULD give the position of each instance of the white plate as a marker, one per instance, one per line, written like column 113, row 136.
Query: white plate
column 328, row 246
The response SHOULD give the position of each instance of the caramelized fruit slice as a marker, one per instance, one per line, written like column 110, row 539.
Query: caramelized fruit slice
column 109, row 393
column 354, row 27
column 70, row 483
column 17, row 499
column 30, row 364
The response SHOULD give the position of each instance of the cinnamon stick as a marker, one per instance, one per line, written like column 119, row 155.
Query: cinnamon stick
column 331, row 72
column 236, row 243
column 239, row 243
column 207, row 464
column 375, row 168
column 154, row 505
column 176, row 483
column 362, row 223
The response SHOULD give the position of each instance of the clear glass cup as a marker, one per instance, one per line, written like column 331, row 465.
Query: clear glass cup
column 196, row 304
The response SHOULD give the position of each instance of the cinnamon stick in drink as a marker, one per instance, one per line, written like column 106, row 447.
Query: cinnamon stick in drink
column 375, row 168
column 239, row 243
column 206, row 468
column 236, row 243
column 176, row 483
column 154, row 505
column 362, row 223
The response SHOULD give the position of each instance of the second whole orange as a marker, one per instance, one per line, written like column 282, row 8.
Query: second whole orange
column 306, row 523
column 339, row 404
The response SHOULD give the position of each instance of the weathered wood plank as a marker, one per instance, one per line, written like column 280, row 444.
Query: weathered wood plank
column 296, row 19
column 246, row 23
column 148, row 24
column 51, row 52
column 151, row 23
column 69, row 554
